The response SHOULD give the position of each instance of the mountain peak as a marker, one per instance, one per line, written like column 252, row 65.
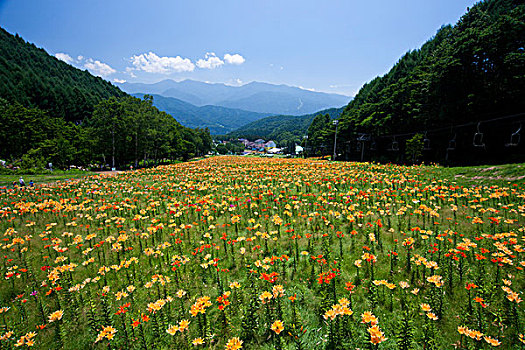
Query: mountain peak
column 255, row 96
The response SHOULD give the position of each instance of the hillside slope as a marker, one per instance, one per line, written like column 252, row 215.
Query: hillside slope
column 219, row 120
column 33, row 78
column 469, row 73
column 281, row 128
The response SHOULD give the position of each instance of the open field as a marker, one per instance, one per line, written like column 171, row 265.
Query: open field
column 259, row 253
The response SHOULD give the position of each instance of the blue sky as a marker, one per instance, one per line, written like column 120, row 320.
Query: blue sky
column 330, row 45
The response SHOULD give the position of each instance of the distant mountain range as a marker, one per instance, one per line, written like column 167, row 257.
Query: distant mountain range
column 219, row 120
column 253, row 97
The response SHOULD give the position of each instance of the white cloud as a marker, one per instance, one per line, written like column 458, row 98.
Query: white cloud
column 151, row 63
column 94, row 66
column 98, row 68
column 234, row 82
column 120, row 81
column 234, row 59
column 129, row 70
column 64, row 57
column 210, row 61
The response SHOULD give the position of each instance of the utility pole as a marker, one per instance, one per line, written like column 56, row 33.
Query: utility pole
column 305, row 137
column 336, row 123
column 362, row 139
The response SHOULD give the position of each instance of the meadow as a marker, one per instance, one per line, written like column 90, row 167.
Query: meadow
column 6, row 180
column 252, row 253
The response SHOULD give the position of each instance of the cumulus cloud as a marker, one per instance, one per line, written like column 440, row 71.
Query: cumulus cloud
column 152, row 63
column 64, row 57
column 234, row 59
column 234, row 82
column 95, row 67
column 98, row 68
column 210, row 61
column 120, row 81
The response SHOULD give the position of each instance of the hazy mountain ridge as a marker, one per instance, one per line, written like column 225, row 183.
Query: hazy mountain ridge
column 219, row 120
column 254, row 97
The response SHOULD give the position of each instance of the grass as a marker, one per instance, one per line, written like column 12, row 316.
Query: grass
column 500, row 175
column 7, row 180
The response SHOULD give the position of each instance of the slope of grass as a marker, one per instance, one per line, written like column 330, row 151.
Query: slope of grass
column 486, row 174
column 6, row 180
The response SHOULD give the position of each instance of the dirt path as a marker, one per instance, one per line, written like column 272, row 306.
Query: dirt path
column 110, row 172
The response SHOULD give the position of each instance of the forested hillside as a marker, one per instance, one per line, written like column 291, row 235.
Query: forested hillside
column 31, row 77
column 219, row 120
column 468, row 73
column 53, row 113
column 282, row 129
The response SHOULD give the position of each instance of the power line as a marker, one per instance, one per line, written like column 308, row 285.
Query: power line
column 452, row 126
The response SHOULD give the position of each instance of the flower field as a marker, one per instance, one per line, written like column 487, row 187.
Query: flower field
column 233, row 252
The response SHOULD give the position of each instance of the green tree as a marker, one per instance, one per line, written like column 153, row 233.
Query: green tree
column 222, row 149
column 108, row 126
column 414, row 147
column 318, row 133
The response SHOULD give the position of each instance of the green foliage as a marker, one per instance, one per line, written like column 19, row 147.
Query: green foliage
column 468, row 72
column 31, row 77
column 318, row 138
column 249, row 321
column 405, row 333
column 33, row 160
column 121, row 131
column 229, row 148
column 222, row 149
column 282, row 128
column 414, row 147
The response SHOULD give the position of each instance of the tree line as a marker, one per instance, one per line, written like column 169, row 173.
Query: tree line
column 120, row 132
